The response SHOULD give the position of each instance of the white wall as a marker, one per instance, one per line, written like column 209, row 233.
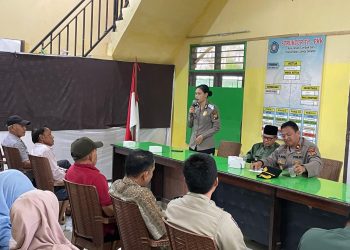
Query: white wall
column 64, row 138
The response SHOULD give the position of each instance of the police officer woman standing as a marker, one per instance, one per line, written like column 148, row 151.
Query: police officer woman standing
column 204, row 120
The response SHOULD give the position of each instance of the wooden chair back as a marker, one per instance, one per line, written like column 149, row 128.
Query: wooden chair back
column 2, row 160
column 87, row 216
column 184, row 240
column 229, row 148
column 331, row 169
column 42, row 173
column 44, row 181
column 13, row 158
column 133, row 231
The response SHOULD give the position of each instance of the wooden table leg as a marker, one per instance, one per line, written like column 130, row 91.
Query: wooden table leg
column 118, row 166
column 275, row 224
column 157, row 182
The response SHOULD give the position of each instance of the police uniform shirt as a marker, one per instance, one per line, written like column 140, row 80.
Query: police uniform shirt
column 305, row 153
column 205, row 122
column 259, row 151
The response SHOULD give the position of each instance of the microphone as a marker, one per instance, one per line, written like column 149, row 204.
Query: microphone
column 194, row 103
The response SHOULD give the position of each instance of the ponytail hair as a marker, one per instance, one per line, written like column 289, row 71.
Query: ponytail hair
column 205, row 89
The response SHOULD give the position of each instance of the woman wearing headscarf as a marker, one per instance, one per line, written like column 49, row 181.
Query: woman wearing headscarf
column 13, row 183
column 203, row 118
column 34, row 217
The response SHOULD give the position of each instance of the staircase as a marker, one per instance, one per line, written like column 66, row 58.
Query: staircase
column 81, row 30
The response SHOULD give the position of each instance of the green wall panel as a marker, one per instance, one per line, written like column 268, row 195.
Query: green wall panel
column 230, row 105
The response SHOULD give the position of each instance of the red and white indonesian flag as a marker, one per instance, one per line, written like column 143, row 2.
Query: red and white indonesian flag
column 133, row 122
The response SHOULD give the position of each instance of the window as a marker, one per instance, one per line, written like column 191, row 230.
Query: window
column 220, row 65
column 231, row 81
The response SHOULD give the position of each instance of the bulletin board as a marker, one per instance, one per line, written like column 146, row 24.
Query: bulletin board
column 293, row 83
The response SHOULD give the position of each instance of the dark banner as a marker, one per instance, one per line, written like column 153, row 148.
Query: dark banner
column 81, row 93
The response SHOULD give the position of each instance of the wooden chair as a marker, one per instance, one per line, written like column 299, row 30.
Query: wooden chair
column 184, row 240
column 229, row 148
column 2, row 160
column 331, row 169
column 44, row 181
column 87, row 218
column 132, row 228
column 14, row 160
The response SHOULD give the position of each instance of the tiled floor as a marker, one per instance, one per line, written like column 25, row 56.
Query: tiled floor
column 67, row 229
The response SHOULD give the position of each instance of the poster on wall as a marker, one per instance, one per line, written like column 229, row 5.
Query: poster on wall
column 293, row 83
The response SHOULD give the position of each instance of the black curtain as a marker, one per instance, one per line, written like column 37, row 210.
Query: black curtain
column 81, row 93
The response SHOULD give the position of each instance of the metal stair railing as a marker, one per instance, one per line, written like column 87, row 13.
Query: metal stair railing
column 82, row 28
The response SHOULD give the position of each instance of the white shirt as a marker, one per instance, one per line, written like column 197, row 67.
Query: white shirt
column 44, row 150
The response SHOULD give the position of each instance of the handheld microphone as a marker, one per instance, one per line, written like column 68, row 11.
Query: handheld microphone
column 194, row 103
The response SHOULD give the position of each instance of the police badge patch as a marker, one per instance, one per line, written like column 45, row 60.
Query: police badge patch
column 215, row 115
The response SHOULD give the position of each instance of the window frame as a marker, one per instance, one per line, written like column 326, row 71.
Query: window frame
column 216, row 72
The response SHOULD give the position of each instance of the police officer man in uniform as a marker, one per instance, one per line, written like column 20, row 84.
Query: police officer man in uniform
column 204, row 120
column 297, row 153
column 266, row 147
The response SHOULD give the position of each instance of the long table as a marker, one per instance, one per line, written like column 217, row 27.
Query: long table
column 273, row 212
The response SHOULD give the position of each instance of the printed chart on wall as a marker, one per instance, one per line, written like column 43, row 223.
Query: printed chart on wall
column 293, row 83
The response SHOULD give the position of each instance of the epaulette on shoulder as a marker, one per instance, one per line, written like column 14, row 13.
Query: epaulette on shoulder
column 211, row 106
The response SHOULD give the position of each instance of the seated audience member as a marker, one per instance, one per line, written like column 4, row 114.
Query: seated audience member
column 34, row 222
column 266, row 147
column 322, row 239
column 13, row 183
column 43, row 141
column 43, row 146
column 17, row 129
column 84, row 171
column 139, row 167
column 297, row 153
column 197, row 213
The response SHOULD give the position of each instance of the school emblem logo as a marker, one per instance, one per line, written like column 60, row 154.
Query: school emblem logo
column 274, row 47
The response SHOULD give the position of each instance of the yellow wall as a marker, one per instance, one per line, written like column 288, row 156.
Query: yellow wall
column 31, row 20
column 156, row 30
column 273, row 18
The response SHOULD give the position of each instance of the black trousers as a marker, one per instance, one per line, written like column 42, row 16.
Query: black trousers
column 61, row 192
column 63, row 164
column 210, row 151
